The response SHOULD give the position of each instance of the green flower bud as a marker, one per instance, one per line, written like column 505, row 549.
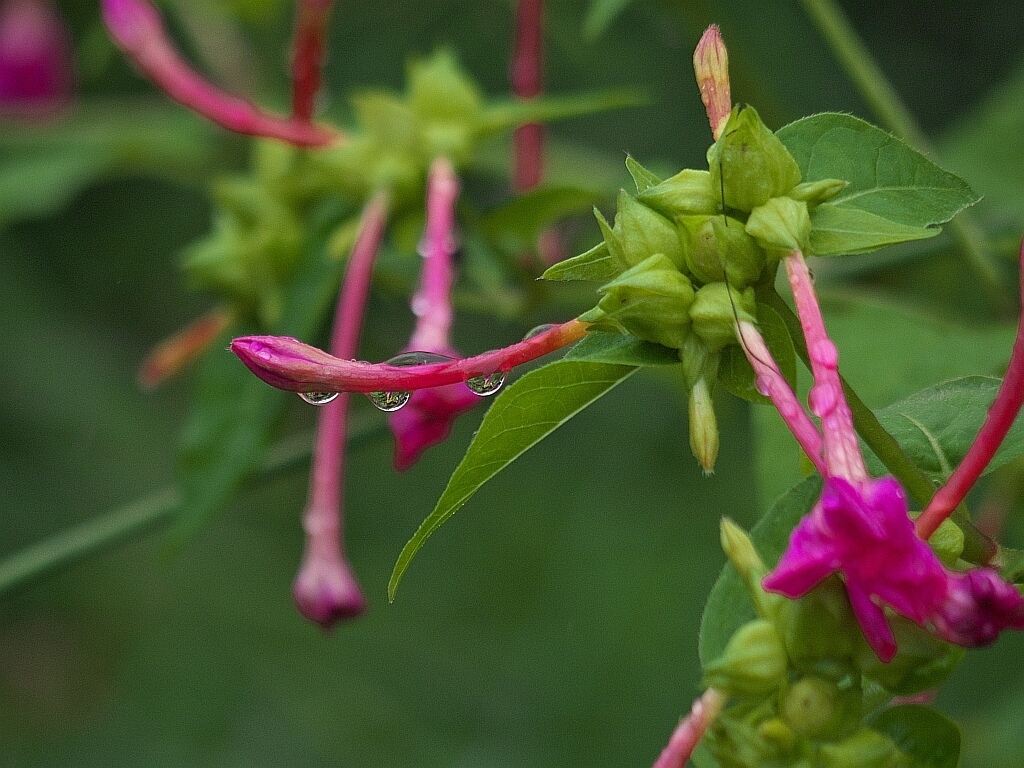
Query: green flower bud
column 921, row 663
column 816, row 192
column 640, row 232
column 947, row 542
column 864, row 749
column 780, row 226
column 753, row 663
column 689, row 192
column 750, row 163
column 819, row 630
column 448, row 105
column 741, row 553
column 651, row 301
column 735, row 743
column 715, row 310
column 775, row 731
column 719, row 246
column 704, row 440
column 821, row 709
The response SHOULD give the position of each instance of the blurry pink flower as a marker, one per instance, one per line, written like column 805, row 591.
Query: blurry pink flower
column 35, row 58
column 978, row 605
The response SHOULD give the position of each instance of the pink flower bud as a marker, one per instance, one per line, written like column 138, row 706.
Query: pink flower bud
column 35, row 58
column 978, row 606
column 711, row 65
column 325, row 590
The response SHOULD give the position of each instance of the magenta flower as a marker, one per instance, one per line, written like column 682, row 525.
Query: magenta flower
column 428, row 417
column 35, row 58
column 860, row 527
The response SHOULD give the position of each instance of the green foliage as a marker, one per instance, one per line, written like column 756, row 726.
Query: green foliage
column 894, row 194
column 523, row 415
column 929, row 738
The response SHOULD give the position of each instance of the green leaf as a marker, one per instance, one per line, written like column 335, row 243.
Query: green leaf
column 600, row 14
column 936, row 426
column 517, row 224
column 842, row 230
column 40, row 184
column 234, row 415
column 597, row 264
column 734, row 370
column 887, row 180
column 928, row 738
column 523, row 415
column 621, row 349
column 729, row 605
column 503, row 115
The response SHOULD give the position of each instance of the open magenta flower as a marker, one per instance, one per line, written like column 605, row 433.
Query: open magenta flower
column 860, row 528
column 35, row 58
column 428, row 417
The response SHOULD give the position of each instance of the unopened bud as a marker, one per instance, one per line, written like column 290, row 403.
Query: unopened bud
column 780, row 226
column 650, row 301
column 864, row 749
column 704, row 440
column 711, row 66
column 753, row 663
column 819, row 630
column 749, row 162
column 816, row 192
column 716, row 309
column 816, row 707
column 720, row 247
column 640, row 232
column 740, row 550
column 688, row 193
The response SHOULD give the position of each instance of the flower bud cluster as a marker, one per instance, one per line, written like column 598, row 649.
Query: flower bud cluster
column 802, row 680
column 685, row 253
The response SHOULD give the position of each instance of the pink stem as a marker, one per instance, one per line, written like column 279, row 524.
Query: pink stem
column 1000, row 418
column 842, row 450
column 289, row 364
column 432, row 301
column 311, row 17
column 137, row 28
column 325, row 589
column 772, row 383
column 690, row 731
column 527, row 82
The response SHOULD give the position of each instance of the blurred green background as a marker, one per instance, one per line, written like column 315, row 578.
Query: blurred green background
column 547, row 625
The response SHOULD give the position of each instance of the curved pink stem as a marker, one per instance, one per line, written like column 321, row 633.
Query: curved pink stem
column 289, row 364
column 1000, row 418
column 691, row 730
column 138, row 30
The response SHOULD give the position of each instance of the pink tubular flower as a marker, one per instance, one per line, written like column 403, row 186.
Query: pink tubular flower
column 35, row 58
column 860, row 527
column 428, row 417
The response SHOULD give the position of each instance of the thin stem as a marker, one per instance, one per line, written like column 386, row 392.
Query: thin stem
column 691, row 730
column 526, row 75
column 289, row 364
column 998, row 421
column 885, row 102
column 137, row 28
column 311, row 17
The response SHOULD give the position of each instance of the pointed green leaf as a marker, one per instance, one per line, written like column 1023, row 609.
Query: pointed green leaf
column 600, row 14
column 596, row 264
column 642, row 177
column 888, row 179
column 927, row 737
column 729, row 606
column 936, row 426
column 838, row 230
column 523, row 415
column 621, row 349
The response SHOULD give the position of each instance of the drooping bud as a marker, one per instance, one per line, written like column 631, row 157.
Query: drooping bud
column 640, row 232
column 720, row 247
column 700, row 374
column 749, row 162
column 819, row 708
column 688, row 193
column 650, row 301
column 741, row 553
column 978, row 606
column 752, row 664
column 711, row 66
column 715, row 310
column 325, row 590
column 780, row 226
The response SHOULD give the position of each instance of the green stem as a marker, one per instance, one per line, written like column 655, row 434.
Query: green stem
column 888, row 107
column 978, row 548
column 142, row 516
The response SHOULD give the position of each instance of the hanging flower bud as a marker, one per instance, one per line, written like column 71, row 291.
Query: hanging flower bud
column 650, row 301
column 749, row 162
column 741, row 553
column 700, row 374
column 977, row 607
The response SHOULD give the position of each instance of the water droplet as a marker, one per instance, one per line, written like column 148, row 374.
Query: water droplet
column 487, row 384
column 417, row 358
column 539, row 330
column 389, row 401
column 762, row 386
column 822, row 400
column 318, row 398
column 825, row 352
